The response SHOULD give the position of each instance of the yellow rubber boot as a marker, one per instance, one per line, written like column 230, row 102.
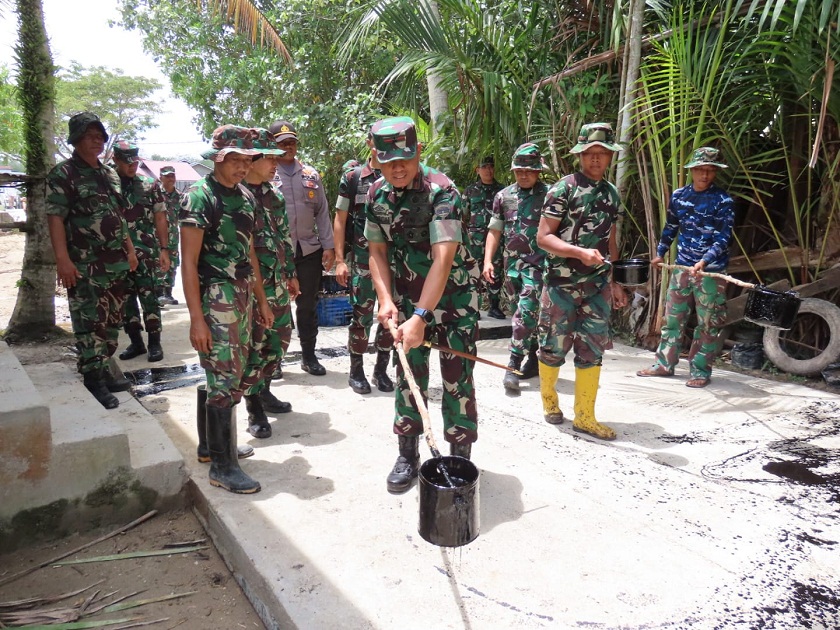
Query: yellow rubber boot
column 551, row 406
column 586, row 391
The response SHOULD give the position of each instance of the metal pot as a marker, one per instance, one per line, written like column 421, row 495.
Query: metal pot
column 630, row 272
column 771, row 309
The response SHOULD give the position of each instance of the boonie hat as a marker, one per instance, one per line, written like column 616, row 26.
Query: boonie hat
column 264, row 143
column 527, row 157
column 596, row 135
column 282, row 130
column 706, row 156
column 126, row 152
column 79, row 124
column 167, row 170
column 488, row 160
column 349, row 164
column 230, row 139
column 394, row 139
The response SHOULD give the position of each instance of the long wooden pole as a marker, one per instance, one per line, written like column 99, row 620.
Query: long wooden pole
column 722, row 276
column 471, row 357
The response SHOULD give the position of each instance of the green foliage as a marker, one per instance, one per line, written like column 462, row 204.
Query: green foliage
column 11, row 119
column 124, row 103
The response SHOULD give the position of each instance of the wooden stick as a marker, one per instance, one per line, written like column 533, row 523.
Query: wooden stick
column 47, row 563
column 722, row 276
column 418, row 397
column 471, row 357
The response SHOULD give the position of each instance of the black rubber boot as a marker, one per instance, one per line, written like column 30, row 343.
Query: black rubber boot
column 243, row 451
column 115, row 381
column 309, row 362
column 460, row 450
column 135, row 348
column 278, row 373
column 95, row 383
column 161, row 297
column 407, row 464
column 495, row 312
column 357, row 381
column 532, row 365
column 272, row 404
column 155, row 349
column 380, row 372
column 511, row 380
column 167, row 293
column 224, row 465
column 258, row 425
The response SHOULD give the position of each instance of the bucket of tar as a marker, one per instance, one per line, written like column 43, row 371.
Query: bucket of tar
column 449, row 513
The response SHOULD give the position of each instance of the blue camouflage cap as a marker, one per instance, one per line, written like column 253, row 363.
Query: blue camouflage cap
column 394, row 139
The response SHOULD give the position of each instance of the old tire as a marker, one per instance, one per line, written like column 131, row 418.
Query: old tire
column 774, row 340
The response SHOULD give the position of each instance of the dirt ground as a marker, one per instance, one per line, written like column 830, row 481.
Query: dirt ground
column 215, row 602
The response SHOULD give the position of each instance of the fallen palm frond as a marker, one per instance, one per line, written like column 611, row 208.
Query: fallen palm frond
column 83, row 625
column 189, row 543
column 131, row 554
column 32, row 602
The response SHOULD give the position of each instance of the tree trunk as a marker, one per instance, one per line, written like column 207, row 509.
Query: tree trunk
column 34, row 312
column 631, row 75
column 438, row 98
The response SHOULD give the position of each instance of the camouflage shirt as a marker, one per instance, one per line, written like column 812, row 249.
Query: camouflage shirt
column 272, row 240
column 91, row 204
column 144, row 197
column 516, row 214
column 355, row 225
column 478, row 202
column 173, row 208
column 410, row 221
column 227, row 217
column 587, row 211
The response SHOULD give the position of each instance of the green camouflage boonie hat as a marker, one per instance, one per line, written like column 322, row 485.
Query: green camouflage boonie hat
column 126, row 152
column 263, row 141
column 230, row 139
column 167, row 170
column 79, row 124
column 596, row 135
column 394, row 139
column 527, row 158
column 349, row 164
column 706, row 156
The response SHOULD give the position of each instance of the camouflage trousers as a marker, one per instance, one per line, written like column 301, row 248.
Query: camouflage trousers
column 363, row 301
column 96, row 312
column 167, row 279
column 708, row 296
column 227, row 308
column 142, row 283
column 268, row 345
column 460, row 418
column 578, row 317
column 527, row 285
column 476, row 247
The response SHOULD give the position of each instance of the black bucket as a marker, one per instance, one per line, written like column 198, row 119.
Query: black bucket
column 449, row 517
column 771, row 309
column 631, row 272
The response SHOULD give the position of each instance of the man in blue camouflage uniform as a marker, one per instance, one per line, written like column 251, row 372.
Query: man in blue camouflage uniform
column 351, row 245
column 172, row 198
column 578, row 231
column 478, row 203
column 427, row 282
column 515, row 218
column 93, row 251
column 147, row 225
column 273, row 245
column 221, row 277
column 312, row 237
column 703, row 215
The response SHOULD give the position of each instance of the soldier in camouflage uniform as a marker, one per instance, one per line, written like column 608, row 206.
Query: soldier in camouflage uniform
column 273, row 245
column 427, row 282
column 478, row 202
column 703, row 215
column 348, row 229
column 147, row 225
column 516, row 212
column 221, row 275
column 577, row 231
column 166, row 279
column 93, row 251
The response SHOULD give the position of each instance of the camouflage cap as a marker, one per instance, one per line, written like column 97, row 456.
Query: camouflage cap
column 394, row 139
column 230, row 139
column 79, row 124
column 527, row 158
column 126, row 152
column 167, row 170
column 263, row 141
column 487, row 160
column 706, row 156
column 596, row 135
column 349, row 164
column 282, row 130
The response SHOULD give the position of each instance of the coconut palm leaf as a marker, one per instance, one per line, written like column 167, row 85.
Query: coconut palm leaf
column 246, row 18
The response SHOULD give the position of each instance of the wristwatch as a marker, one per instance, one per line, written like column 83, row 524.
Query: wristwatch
column 426, row 315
